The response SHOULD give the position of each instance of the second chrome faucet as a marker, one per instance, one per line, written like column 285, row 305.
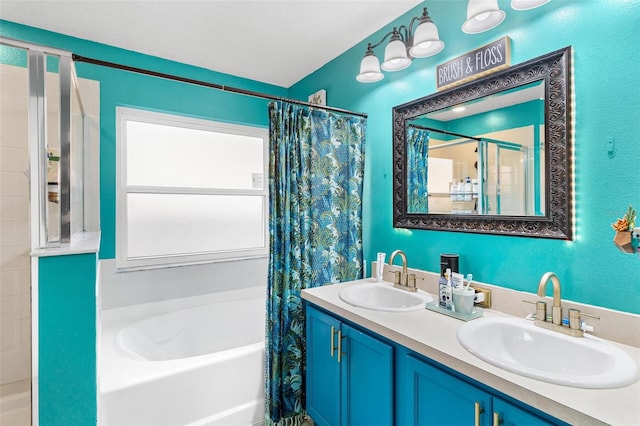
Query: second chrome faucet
column 574, row 326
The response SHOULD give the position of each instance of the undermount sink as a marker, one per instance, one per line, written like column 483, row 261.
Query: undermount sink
column 517, row 345
column 384, row 297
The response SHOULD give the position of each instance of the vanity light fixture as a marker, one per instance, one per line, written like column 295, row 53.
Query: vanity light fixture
column 482, row 15
column 404, row 45
column 527, row 4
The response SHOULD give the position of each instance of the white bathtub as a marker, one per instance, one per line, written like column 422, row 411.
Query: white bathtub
column 196, row 361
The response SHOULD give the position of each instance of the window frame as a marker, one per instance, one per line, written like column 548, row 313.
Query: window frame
column 123, row 261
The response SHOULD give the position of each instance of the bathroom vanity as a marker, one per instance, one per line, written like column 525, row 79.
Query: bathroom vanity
column 408, row 368
column 349, row 372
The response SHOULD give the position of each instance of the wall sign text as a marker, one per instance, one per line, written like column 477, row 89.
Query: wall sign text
column 477, row 63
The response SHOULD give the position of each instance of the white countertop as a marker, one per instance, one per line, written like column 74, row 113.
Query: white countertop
column 434, row 336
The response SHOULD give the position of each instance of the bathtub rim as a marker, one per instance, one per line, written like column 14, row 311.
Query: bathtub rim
column 142, row 310
column 122, row 340
column 119, row 368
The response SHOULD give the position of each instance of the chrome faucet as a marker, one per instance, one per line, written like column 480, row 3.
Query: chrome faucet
column 402, row 278
column 574, row 328
column 556, row 313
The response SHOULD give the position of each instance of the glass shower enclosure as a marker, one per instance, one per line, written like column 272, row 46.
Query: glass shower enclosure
column 480, row 176
column 42, row 171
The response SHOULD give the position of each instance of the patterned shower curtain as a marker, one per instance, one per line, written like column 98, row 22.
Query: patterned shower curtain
column 316, row 167
column 417, row 165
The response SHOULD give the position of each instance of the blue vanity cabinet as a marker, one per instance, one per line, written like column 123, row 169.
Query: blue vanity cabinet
column 349, row 378
column 323, row 370
column 428, row 395
column 507, row 414
column 367, row 380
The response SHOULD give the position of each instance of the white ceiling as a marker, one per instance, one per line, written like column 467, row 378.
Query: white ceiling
column 277, row 42
column 530, row 92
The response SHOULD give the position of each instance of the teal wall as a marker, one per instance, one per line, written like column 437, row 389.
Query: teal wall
column 67, row 340
column 604, row 38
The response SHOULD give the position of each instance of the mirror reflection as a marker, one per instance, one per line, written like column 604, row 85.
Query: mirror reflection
column 481, row 157
column 500, row 166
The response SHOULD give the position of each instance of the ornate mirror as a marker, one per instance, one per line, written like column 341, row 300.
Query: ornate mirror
column 490, row 156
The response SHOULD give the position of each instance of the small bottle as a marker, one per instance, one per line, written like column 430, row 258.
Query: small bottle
column 467, row 189
column 442, row 287
column 474, row 187
column 449, row 291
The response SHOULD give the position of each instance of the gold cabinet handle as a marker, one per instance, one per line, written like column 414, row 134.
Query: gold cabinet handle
column 496, row 419
column 339, row 345
column 478, row 410
column 333, row 347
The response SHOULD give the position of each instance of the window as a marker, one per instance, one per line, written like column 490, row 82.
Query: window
column 189, row 190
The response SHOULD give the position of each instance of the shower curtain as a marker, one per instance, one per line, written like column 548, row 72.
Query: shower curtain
column 417, row 167
column 316, row 167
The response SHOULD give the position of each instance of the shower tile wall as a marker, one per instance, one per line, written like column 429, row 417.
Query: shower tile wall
column 15, row 304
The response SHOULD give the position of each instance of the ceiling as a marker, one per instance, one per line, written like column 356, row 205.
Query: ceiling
column 276, row 42
column 526, row 93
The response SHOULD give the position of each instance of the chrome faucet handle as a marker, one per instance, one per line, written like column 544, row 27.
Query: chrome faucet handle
column 541, row 310
column 397, row 279
column 582, row 314
column 412, row 281
column 574, row 318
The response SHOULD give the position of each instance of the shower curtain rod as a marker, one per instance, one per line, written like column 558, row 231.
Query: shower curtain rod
column 505, row 144
column 431, row 129
column 78, row 58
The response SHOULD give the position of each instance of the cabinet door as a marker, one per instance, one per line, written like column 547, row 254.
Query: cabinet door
column 506, row 414
column 429, row 396
column 367, row 379
column 323, row 370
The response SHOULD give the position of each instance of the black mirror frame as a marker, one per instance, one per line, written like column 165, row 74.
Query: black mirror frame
column 555, row 69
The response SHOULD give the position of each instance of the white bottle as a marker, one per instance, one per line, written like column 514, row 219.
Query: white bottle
column 474, row 187
column 459, row 191
column 467, row 189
